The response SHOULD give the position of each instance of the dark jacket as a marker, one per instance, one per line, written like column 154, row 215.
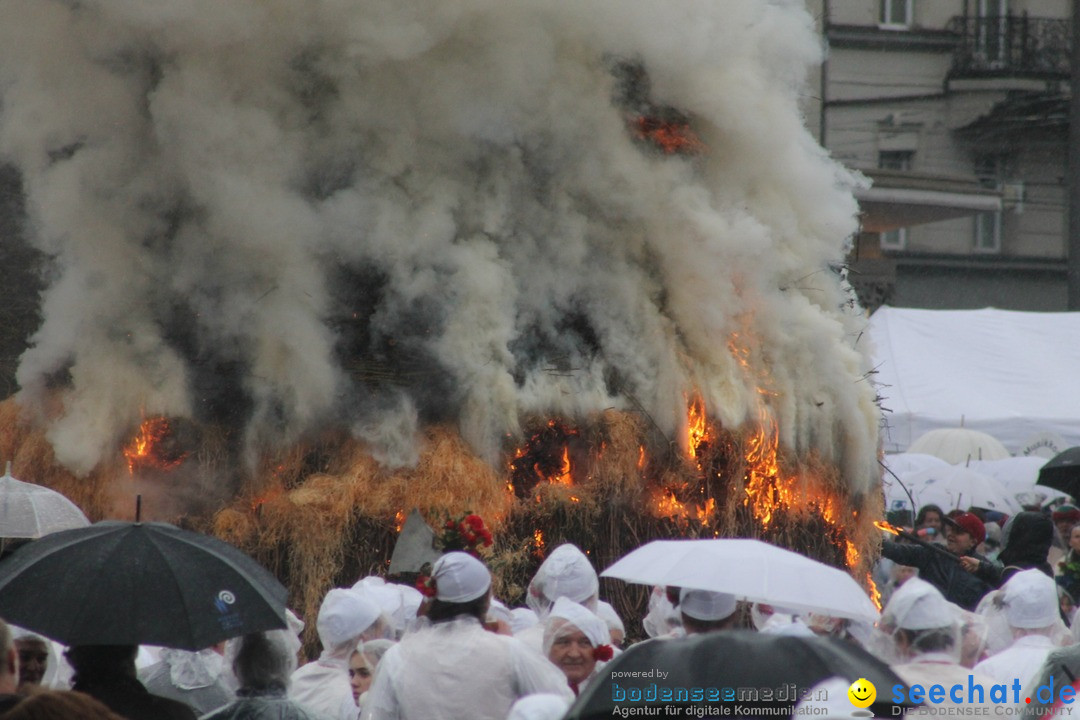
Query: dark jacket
column 1027, row 539
column 941, row 569
column 128, row 697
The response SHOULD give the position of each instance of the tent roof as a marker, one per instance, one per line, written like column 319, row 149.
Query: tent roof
column 1014, row 375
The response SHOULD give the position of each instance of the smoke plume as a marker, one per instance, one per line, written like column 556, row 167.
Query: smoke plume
column 284, row 216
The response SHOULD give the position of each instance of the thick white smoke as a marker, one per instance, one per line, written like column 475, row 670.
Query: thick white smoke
column 289, row 214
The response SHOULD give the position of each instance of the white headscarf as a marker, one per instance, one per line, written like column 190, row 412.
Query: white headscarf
column 567, row 573
column 566, row 616
column 343, row 617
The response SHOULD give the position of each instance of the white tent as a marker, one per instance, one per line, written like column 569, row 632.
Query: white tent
column 1013, row 375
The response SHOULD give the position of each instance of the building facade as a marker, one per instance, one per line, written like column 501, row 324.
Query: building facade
column 957, row 111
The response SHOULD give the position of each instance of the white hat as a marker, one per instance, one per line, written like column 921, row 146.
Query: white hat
column 607, row 614
column 344, row 616
column 581, row 617
column 568, row 573
column 918, row 605
column 706, row 604
column 1031, row 600
column 498, row 611
column 459, row 577
column 523, row 618
column 539, row 706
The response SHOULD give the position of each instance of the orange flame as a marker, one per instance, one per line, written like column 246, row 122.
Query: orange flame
column 399, row 520
column 667, row 505
column 146, row 449
column 887, row 527
column 875, row 594
column 697, row 431
column 563, row 477
column 671, row 137
column 538, row 543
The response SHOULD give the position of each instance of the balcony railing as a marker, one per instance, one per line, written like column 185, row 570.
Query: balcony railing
column 1011, row 45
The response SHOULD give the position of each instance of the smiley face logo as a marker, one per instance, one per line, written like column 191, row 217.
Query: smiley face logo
column 862, row 693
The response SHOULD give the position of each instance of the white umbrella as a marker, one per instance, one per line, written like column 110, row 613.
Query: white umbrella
column 749, row 569
column 897, row 467
column 908, row 462
column 1017, row 474
column 31, row 511
column 959, row 487
column 958, row 445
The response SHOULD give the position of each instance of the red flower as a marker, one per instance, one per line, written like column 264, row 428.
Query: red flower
column 475, row 522
column 603, row 653
column 426, row 586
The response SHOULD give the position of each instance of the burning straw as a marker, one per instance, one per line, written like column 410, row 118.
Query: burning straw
column 326, row 513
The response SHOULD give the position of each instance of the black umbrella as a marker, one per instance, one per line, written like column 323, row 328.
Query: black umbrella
column 122, row 583
column 731, row 669
column 1062, row 472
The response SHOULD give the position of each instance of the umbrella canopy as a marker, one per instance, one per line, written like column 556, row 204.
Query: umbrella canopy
column 1062, row 472
column 903, row 463
column 749, row 569
column 958, row 445
column 959, row 487
column 122, row 583
column 30, row 511
column 1018, row 474
column 737, row 666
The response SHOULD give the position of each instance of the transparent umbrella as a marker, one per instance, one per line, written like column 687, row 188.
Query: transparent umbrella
column 749, row 569
column 958, row 487
column 31, row 511
column 958, row 445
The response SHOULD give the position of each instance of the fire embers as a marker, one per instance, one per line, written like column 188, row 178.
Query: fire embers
column 158, row 445
column 661, row 127
column 545, row 457
column 672, row 135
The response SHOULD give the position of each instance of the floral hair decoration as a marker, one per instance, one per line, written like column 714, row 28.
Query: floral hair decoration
column 467, row 534
column 426, row 585
column 602, row 653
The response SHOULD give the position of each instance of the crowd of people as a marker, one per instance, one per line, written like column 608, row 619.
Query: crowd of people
column 957, row 606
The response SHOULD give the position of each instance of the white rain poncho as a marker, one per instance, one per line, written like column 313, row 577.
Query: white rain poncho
column 567, row 573
column 1026, row 611
column 566, row 618
column 916, row 621
column 542, row 706
column 457, row 669
column 920, row 634
column 398, row 603
column 663, row 618
column 193, row 678
column 57, row 671
column 523, row 619
column 267, row 706
column 616, row 628
column 324, row 685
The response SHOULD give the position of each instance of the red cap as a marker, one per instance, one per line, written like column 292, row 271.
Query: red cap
column 966, row 522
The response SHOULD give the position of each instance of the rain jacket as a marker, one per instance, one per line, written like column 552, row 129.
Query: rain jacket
column 935, row 567
column 263, row 705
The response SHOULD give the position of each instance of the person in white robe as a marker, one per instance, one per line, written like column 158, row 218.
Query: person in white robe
column 323, row 685
column 452, row 668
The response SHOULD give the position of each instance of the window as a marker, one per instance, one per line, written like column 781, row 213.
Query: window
column 895, row 13
column 988, row 232
column 993, row 31
column 991, row 169
column 894, row 239
column 895, row 159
